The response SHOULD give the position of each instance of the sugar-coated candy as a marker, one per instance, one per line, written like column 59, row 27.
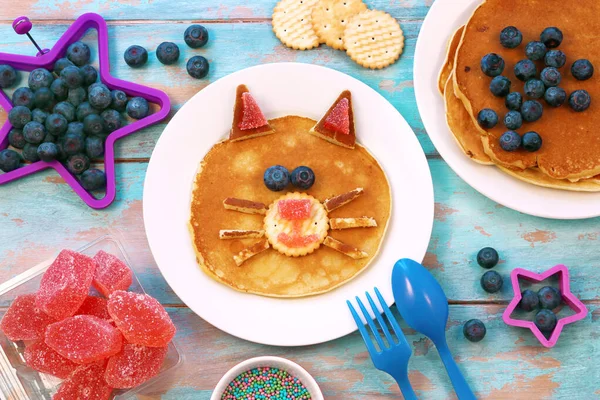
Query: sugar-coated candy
column 24, row 320
column 65, row 284
column 84, row 338
column 85, row 383
column 43, row 359
column 112, row 274
column 141, row 318
column 134, row 365
column 94, row 305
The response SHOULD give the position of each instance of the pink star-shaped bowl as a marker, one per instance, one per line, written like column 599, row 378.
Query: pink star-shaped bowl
column 47, row 60
column 567, row 296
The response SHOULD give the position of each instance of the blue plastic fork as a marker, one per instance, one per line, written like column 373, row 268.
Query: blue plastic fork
column 393, row 358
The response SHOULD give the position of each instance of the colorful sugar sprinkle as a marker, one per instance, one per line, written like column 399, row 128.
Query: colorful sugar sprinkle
column 265, row 383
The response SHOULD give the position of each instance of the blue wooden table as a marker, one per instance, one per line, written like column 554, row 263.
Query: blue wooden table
column 40, row 215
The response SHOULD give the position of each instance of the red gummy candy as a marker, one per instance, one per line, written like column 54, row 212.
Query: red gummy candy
column 134, row 365
column 85, row 383
column 294, row 209
column 84, row 339
column 65, row 284
column 24, row 321
column 338, row 119
column 94, row 305
column 252, row 116
column 43, row 359
column 112, row 274
column 141, row 319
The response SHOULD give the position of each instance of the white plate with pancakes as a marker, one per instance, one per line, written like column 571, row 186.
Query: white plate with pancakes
column 282, row 89
column 443, row 19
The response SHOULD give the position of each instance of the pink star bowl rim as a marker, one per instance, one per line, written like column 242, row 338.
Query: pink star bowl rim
column 567, row 296
column 28, row 63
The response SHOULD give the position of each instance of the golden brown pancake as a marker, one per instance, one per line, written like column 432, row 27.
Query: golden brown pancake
column 537, row 177
column 235, row 169
column 571, row 147
column 448, row 65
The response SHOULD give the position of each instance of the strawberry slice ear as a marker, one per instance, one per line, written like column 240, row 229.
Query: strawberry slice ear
column 248, row 119
column 337, row 125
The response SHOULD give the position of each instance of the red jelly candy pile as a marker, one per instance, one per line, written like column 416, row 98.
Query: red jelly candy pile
column 65, row 284
column 134, row 365
column 94, row 305
column 112, row 274
column 294, row 209
column 252, row 116
column 43, row 359
column 84, row 338
column 141, row 319
column 85, row 383
column 338, row 119
column 24, row 320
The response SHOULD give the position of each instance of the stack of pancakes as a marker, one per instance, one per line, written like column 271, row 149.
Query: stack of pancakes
column 570, row 155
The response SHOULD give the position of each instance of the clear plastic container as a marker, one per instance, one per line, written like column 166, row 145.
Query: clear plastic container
column 17, row 380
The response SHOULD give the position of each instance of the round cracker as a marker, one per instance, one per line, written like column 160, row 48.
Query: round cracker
column 330, row 17
column 292, row 24
column 374, row 39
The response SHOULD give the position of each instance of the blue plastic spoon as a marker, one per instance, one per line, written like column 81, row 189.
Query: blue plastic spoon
column 424, row 306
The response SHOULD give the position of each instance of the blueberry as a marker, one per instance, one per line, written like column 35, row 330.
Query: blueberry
column 9, row 160
column 510, row 141
column 549, row 297
column 29, row 153
column 84, row 110
column 514, row 101
column 474, row 330
column 532, row 141
column 16, row 138
column 551, row 37
column 38, row 115
column 535, row 51
column 491, row 282
column 555, row 58
column 545, row 320
column 77, row 164
column 167, row 53
column 60, row 89
column 90, row 75
column 580, row 100
column 197, row 67
column 99, row 97
column 49, row 138
column 62, row 156
column 39, row 78
column 34, row 132
column 93, row 124
column 550, row 76
column 19, row 116
column 500, row 86
column 136, row 56
column 95, row 85
column 94, row 146
column 73, row 143
column 118, row 100
column 529, row 300
column 78, row 53
column 8, row 76
column 525, row 70
column 487, row 257
column 112, row 120
column 534, row 88
column 487, row 118
column 23, row 96
column 195, row 36
column 276, row 178
column 532, row 110
column 93, row 179
column 582, row 70
column 303, row 177
column 72, row 76
column 47, row 152
column 492, row 64
column 65, row 109
column 138, row 108
column 511, row 37
column 513, row 120
column 77, row 96
column 56, row 124
column 61, row 64
column 75, row 127
column 43, row 98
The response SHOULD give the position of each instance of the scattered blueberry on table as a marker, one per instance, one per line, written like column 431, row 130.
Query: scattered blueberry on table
column 197, row 67
column 474, row 330
column 487, row 257
column 79, row 53
column 195, row 36
column 491, row 282
column 529, row 300
column 137, row 108
column 136, row 56
column 167, row 53
column 276, row 178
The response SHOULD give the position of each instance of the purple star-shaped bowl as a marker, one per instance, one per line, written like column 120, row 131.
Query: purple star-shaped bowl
column 567, row 296
column 47, row 60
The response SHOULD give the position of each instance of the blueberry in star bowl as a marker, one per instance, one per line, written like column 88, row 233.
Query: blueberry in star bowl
column 39, row 78
column 474, row 330
column 99, row 97
column 23, row 96
column 85, row 109
column 532, row 110
column 276, row 178
column 195, row 36
column 487, row 118
column 77, row 96
column 73, row 143
column 60, row 89
column 43, row 97
column 47, row 151
column 78, row 53
column 77, row 164
column 65, row 109
column 514, row 101
column 511, row 37
column 61, row 64
column 9, row 160
column 112, row 120
column 525, row 70
column 555, row 58
column 34, row 132
column 72, row 76
column 56, row 124
column 118, row 100
column 197, row 67
column 94, row 146
column 29, row 153
column 38, row 115
column 487, row 257
column 90, row 75
column 549, row 297
column 545, row 320
column 167, row 53
column 491, row 282
column 16, row 138
column 8, row 76
column 552, row 37
column 510, row 141
column 580, row 100
column 535, row 51
column 19, row 116
column 500, row 86
column 550, row 76
column 49, row 138
column 303, row 177
column 492, row 64
column 93, row 179
column 582, row 70
column 75, row 127
column 95, row 85
column 529, row 300
column 532, row 141
column 136, row 56
column 137, row 108
column 534, row 88
column 93, row 124
column 513, row 120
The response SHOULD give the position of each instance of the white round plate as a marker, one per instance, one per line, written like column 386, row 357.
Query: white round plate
column 444, row 17
column 282, row 89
